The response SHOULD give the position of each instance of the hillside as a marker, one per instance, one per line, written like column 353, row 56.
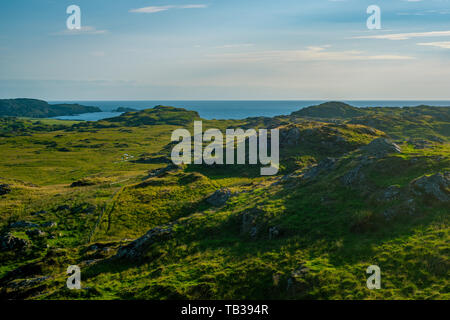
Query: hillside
column 33, row 108
column 356, row 187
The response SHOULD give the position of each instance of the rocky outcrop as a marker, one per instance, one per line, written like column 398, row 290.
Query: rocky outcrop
column 290, row 136
column 323, row 167
column 436, row 186
column 22, row 224
column 9, row 242
column 381, row 147
column 4, row 189
column 136, row 249
column 354, row 176
column 390, row 193
column 219, row 198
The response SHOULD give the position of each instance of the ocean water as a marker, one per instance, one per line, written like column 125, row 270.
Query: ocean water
column 227, row 109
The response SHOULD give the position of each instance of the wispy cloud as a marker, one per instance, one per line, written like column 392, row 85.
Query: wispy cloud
column 406, row 36
column 155, row 9
column 83, row 30
column 308, row 54
column 441, row 44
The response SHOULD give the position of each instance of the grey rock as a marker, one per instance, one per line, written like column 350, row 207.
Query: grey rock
column 9, row 242
column 4, row 189
column 390, row 193
column 35, row 233
column 23, row 224
column 354, row 176
column 436, row 186
column 219, row 198
column 138, row 247
column 49, row 224
column 323, row 167
column 38, row 213
column 273, row 233
column 290, row 136
column 381, row 147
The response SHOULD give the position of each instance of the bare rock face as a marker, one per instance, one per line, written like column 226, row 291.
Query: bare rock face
column 381, row 147
column 436, row 186
column 138, row 247
column 219, row 198
column 9, row 242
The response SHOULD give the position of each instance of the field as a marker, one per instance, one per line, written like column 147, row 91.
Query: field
column 354, row 189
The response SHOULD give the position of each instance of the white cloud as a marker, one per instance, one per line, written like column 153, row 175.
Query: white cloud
column 83, row 30
column 406, row 36
column 309, row 54
column 155, row 9
column 442, row 44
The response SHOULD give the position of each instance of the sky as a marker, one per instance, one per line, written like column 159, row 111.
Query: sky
column 225, row 50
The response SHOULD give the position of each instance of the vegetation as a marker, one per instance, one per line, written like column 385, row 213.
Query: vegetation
column 40, row 109
column 345, row 198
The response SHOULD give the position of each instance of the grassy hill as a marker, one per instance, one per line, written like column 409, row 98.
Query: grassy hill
column 357, row 187
column 33, row 108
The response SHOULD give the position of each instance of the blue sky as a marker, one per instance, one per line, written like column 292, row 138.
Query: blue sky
column 225, row 49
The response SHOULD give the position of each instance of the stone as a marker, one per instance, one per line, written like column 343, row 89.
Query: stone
column 380, row 147
column 9, row 242
column 436, row 185
column 49, row 224
column 35, row 233
column 219, row 198
column 23, row 224
column 353, row 176
column 138, row 247
column 4, row 189
column 390, row 193
column 324, row 166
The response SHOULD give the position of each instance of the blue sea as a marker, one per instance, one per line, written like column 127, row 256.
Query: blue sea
column 227, row 109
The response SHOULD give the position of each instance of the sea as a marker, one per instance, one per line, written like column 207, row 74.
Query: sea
column 228, row 109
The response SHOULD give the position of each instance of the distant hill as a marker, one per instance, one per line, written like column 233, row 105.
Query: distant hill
column 33, row 108
column 328, row 110
column 124, row 109
column 156, row 115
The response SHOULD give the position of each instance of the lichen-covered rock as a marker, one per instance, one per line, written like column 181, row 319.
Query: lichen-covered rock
column 138, row 247
column 436, row 185
column 219, row 198
column 381, row 147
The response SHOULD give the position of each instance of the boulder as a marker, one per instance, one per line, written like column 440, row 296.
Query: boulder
column 219, row 198
column 35, row 233
column 9, row 242
column 290, row 136
column 323, row 167
column 137, row 248
column 354, row 176
column 22, row 224
column 381, row 147
column 436, row 186
column 4, row 189
column 390, row 193
column 49, row 224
